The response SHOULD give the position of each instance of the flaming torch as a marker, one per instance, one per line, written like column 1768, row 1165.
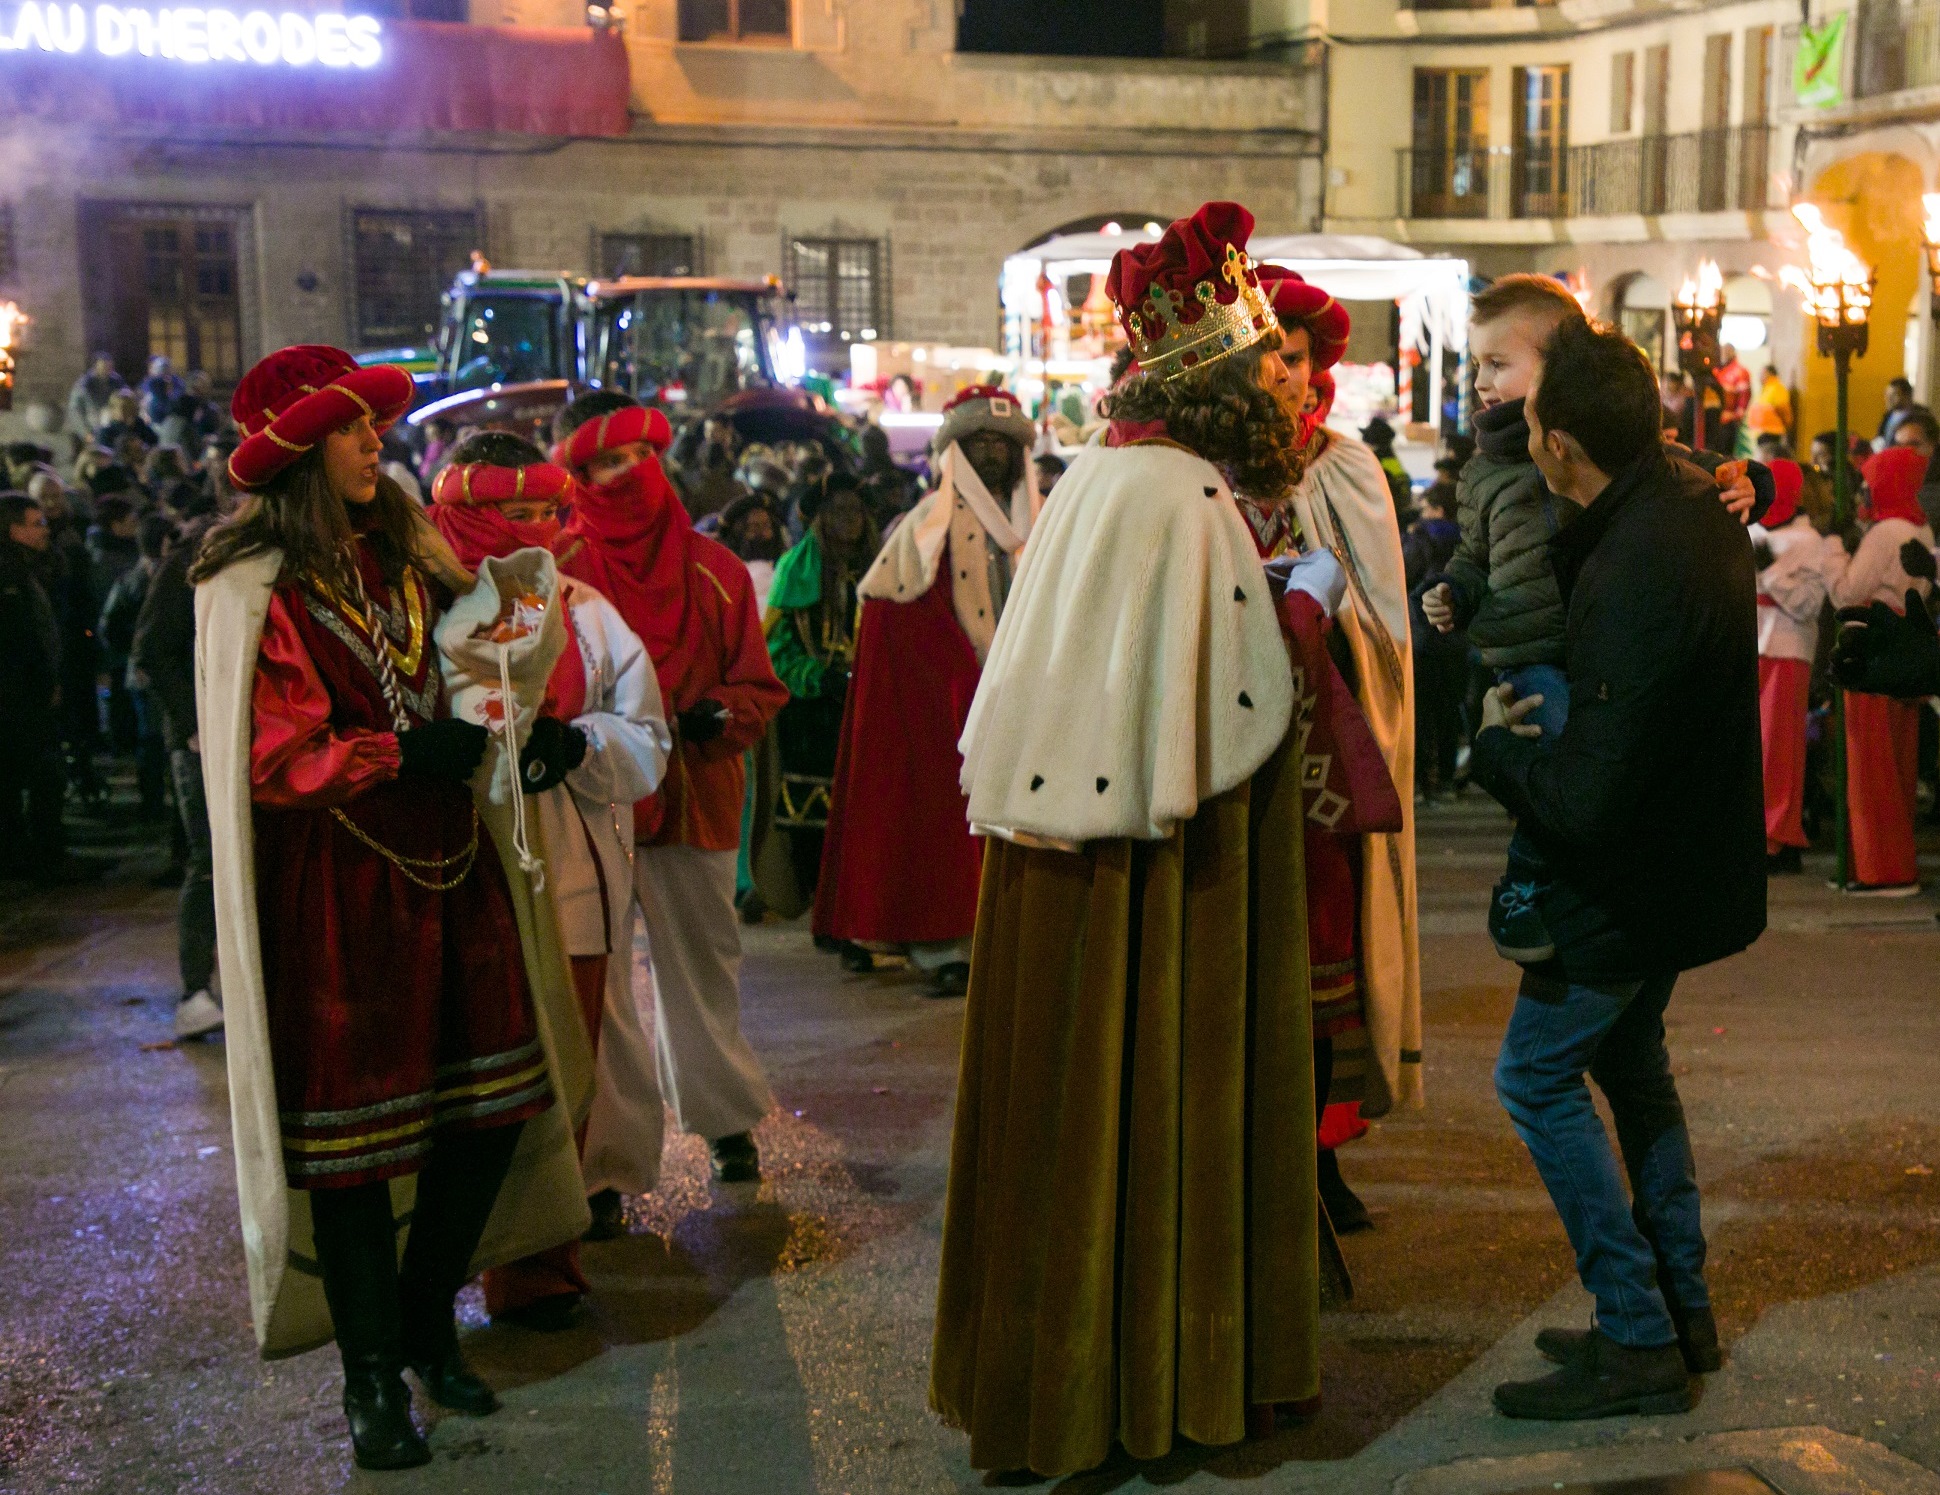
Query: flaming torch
column 12, row 319
column 1837, row 287
column 1699, row 312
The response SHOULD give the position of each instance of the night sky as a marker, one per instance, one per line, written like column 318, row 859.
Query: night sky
column 1081, row 28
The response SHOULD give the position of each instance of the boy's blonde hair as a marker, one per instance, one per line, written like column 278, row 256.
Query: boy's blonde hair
column 1533, row 295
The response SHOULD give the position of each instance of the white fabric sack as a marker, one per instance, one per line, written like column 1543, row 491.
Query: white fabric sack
column 478, row 672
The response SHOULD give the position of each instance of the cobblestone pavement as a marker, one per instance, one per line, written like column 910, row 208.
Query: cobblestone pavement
column 774, row 1339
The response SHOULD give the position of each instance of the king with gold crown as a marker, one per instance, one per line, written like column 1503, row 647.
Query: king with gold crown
column 1131, row 1233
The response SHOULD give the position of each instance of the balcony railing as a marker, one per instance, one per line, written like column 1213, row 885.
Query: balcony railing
column 1710, row 171
column 1896, row 46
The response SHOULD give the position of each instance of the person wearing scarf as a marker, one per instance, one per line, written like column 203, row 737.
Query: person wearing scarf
column 1132, row 1232
column 1792, row 566
column 393, row 993
column 691, row 603
column 1883, row 734
column 899, row 865
column 604, row 737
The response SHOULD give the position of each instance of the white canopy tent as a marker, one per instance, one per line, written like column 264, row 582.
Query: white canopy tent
column 1432, row 292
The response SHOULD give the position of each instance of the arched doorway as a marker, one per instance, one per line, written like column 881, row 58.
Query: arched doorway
column 1874, row 200
column 1641, row 305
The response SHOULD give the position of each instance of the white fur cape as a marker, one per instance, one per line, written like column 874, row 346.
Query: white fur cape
column 543, row 1202
column 1139, row 667
column 1344, row 506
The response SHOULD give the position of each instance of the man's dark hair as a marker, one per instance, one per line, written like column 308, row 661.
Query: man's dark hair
column 1900, row 382
column 191, row 499
column 1051, row 460
column 114, row 478
column 112, row 509
column 497, row 449
column 1830, row 438
column 1597, row 386
column 589, row 406
column 153, row 536
column 1921, row 421
column 14, row 509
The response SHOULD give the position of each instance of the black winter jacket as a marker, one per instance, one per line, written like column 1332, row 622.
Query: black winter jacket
column 1650, row 805
column 164, row 642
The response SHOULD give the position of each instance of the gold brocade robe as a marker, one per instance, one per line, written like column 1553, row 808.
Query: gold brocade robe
column 1130, row 1235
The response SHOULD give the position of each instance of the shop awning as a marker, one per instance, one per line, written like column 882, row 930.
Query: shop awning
column 431, row 77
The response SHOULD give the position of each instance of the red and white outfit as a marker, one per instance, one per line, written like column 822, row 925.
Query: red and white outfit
column 691, row 603
column 1791, row 595
column 604, row 685
column 899, row 865
column 1882, row 734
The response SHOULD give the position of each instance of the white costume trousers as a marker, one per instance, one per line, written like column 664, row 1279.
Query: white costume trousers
column 708, row 1072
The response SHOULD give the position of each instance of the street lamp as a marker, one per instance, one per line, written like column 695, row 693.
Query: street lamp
column 1838, row 289
column 1698, row 312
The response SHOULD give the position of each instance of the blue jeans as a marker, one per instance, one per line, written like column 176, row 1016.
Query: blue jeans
column 1527, row 868
column 1628, row 1256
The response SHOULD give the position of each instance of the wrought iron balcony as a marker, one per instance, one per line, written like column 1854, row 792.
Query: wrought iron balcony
column 1896, row 46
column 1709, row 171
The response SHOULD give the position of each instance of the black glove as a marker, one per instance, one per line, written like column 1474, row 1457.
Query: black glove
column 1916, row 560
column 448, row 749
column 702, row 722
column 1881, row 653
column 1761, row 555
column 835, row 681
column 554, row 750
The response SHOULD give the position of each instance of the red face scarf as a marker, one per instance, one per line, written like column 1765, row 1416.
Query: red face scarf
column 1788, row 485
column 629, row 538
column 1893, row 480
column 465, row 509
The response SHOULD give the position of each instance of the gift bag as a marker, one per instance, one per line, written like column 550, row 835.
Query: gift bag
column 497, row 645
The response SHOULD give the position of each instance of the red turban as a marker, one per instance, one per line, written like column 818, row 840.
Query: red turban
column 619, row 428
column 1298, row 304
column 465, row 501
column 294, row 398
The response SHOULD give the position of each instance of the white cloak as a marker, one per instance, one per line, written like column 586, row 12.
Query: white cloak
column 1345, row 506
column 543, row 1202
column 589, row 838
column 1139, row 668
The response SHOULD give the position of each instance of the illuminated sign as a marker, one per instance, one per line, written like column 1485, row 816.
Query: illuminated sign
column 195, row 34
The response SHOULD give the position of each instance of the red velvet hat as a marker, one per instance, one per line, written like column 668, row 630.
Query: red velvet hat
column 475, row 484
column 294, row 398
column 1298, row 304
column 1193, row 297
column 983, row 407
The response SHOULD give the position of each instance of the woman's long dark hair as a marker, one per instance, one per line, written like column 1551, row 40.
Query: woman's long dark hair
column 300, row 514
column 1223, row 413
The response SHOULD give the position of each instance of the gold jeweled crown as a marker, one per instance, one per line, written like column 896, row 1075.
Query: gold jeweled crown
column 1167, row 346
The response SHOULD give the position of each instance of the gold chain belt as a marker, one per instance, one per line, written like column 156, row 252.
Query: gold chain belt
column 404, row 864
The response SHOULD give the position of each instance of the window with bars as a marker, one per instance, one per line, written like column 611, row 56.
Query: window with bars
column 838, row 291
column 163, row 279
column 736, row 21
column 405, row 261
column 648, row 254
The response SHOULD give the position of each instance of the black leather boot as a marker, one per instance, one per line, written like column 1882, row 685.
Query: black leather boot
column 1604, row 1379
column 1697, row 1340
column 1344, row 1206
column 455, row 1196
column 356, row 1244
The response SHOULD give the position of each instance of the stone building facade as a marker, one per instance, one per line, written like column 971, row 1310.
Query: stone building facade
column 861, row 126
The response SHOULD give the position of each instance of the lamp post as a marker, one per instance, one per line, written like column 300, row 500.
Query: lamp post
column 1699, row 312
column 1838, row 290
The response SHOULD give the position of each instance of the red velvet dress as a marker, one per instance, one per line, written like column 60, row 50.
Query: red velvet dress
column 395, row 1010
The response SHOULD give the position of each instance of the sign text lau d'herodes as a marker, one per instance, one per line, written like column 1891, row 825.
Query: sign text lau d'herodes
column 195, row 35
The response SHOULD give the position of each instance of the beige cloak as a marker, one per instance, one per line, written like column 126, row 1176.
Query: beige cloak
column 1344, row 506
column 543, row 1202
